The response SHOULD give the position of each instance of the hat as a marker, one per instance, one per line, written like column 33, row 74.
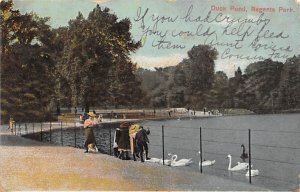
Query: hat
column 91, row 114
column 126, row 124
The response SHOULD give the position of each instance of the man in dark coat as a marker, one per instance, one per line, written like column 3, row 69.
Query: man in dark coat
column 141, row 140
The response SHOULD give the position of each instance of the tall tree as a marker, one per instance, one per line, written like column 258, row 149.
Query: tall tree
column 93, row 49
column 26, row 64
column 200, row 73
column 218, row 94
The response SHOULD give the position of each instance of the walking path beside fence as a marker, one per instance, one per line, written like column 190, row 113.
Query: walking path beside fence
column 31, row 165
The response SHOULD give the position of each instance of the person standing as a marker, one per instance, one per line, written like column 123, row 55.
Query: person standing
column 115, row 145
column 141, row 140
column 11, row 124
column 123, row 141
column 88, row 131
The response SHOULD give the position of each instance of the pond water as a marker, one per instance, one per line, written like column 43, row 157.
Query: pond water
column 275, row 144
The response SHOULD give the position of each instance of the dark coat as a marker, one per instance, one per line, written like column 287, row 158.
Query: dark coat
column 123, row 139
column 141, row 136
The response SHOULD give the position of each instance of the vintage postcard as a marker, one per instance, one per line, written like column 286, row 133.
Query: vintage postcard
column 159, row 95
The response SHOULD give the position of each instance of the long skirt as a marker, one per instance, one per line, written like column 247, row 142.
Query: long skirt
column 124, row 140
column 89, row 137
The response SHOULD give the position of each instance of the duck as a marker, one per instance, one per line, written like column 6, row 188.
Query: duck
column 254, row 172
column 206, row 162
column 238, row 167
column 181, row 162
column 244, row 155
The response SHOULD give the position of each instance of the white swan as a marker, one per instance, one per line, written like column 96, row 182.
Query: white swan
column 152, row 160
column 238, row 167
column 206, row 162
column 181, row 162
column 160, row 161
column 167, row 162
column 254, row 172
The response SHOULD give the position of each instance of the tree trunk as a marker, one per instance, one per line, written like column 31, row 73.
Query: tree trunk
column 87, row 107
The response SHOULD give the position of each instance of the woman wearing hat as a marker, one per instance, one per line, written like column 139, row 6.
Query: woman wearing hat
column 88, row 131
column 123, row 140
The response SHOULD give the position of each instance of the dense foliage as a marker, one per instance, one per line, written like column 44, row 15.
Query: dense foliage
column 95, row 61
column 26, row 64
column 86, row 63
column 265, row 87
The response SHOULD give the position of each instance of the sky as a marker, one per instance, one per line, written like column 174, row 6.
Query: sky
column 242, row 31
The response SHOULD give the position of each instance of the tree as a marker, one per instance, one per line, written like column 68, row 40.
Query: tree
column 156, row 84
column 288, row 96
column 218, row 94
column 234, row 84
column 94, row 50
column 199, row 73
column 260, row 81
column 177, row 86
column 26, row 64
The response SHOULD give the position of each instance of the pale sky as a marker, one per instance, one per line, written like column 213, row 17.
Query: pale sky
column 231, row 25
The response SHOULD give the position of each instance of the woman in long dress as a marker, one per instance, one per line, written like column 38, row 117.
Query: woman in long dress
column 123, row 141
column 88, row 131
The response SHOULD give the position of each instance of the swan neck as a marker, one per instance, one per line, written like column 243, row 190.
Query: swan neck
column 174, row 157
column 229, row 165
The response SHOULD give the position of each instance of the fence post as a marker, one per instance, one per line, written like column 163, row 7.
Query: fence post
column 74, row 134
column 19, row 129
column 41, row 131
column 163, row 144
column 32, row 127
column 15, row 128
column 61, row 135
column 50, row 132
column 250, row 156
column 109, row 140
column 26, row 131
column 201, row 152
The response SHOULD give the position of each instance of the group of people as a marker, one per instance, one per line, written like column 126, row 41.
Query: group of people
column 129, row 138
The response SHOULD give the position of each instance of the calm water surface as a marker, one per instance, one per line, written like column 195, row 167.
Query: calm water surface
column 275, row 145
